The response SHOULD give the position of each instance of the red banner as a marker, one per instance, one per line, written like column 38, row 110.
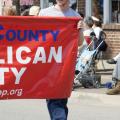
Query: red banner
column 37, row 57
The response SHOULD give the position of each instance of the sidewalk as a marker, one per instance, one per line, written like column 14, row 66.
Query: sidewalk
column 98, row 94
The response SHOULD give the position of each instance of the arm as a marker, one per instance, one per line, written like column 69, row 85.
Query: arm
column 81, row 37
column 80, row 28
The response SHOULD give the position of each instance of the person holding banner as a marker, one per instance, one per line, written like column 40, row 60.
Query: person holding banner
column 58, row 107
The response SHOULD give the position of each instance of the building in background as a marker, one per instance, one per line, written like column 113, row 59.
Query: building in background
column 109, row 12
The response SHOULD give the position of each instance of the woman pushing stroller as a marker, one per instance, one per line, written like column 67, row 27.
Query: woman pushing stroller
column 86, row 58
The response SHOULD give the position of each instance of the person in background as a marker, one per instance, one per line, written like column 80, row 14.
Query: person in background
column 97, row 26
column 9, row 11
column 88, row 23
column 34, row 11
column 114, row 59
column 100, row 35
column 57, row 108
column 116, row 79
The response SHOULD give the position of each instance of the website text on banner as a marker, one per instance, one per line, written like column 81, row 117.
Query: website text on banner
column 37, row 57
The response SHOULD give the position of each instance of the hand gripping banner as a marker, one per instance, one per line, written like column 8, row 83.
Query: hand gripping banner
column 37, row 57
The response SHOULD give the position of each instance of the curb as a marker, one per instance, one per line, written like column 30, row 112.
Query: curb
column 106, row 99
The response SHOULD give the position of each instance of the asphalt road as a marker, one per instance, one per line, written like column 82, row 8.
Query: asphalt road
column 79, row 109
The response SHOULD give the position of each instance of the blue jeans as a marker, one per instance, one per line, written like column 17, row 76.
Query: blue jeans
column 57, row 109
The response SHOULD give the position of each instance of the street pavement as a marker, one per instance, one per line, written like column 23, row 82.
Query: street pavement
column 84, row 104
column 86, row 108
column 100, row 94
column 80, row 108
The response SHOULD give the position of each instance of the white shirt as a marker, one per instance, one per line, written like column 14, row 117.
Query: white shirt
column 52, row 11
column 97, row 31
column 87, row 32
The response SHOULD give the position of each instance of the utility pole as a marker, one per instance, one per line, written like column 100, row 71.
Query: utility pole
column 88, row 8
column 107, row 11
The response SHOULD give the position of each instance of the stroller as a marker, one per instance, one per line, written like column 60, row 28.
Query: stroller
column 85, row 73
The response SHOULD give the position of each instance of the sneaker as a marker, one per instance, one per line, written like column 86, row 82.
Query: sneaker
column 115, row 90
column 111, row 61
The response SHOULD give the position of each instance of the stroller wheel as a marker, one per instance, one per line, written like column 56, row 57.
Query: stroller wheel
column 97, row 82
column 87, row 85
column 88, row 81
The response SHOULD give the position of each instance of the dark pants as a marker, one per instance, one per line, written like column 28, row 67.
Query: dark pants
column 57, row 109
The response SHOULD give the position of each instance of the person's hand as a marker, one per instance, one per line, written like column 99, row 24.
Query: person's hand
column 80, row 24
